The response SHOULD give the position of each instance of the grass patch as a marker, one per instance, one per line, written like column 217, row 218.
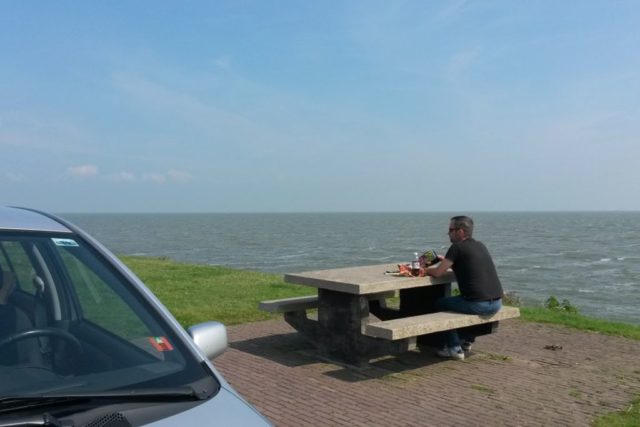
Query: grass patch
column 629, row 417
column 499, row 357
column 482, row 388
column 198, row 293
column 578, row 321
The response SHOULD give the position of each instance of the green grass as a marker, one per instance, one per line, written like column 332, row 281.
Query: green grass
column 198, row 293
column 629, row 417
column 482, row 388
column 578, row 321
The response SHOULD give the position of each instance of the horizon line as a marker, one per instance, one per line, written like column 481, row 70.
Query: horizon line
column 342, row 212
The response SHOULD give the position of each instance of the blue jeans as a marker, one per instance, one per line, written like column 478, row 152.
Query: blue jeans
column 461, row 305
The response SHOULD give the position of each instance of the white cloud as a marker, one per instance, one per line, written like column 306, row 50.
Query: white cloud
column 202, row 114
column 172, row 175
column 83, row 170
column 50, row 133
column 179, row 176
column 223, row 63
column 14, row 177
column 122, row 177
column 451, row 10
column 157, row 178
column 461, row 61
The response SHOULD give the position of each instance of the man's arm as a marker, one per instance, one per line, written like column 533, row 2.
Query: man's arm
column 440, row 268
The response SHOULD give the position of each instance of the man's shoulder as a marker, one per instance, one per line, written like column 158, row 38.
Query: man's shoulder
column 475, row 248
column 472, row 242
column 465, row 246
column 468, row 242
column 470, row 245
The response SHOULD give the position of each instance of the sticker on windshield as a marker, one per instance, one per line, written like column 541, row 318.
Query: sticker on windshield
column 64, row 242
column 161, row 343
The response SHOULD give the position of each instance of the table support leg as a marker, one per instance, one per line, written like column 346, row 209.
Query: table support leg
column 341, row 318
column 301, row 323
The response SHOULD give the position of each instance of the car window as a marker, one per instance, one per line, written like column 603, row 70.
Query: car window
column 103, row 300
column 14, row 258
column 100, row 303
column 78, row 322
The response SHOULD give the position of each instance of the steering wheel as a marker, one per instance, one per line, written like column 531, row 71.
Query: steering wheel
column 45, row 332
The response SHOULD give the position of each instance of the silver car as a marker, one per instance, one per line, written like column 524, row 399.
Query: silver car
column 83, row 342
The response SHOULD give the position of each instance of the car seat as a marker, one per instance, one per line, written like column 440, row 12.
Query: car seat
column 13, row 320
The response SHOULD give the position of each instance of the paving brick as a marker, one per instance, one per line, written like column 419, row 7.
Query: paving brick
column 510, row 379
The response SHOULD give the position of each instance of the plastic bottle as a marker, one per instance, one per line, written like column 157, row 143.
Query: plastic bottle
column 415, row 264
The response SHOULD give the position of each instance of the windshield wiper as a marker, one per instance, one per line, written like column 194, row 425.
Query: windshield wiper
column 34, row 420
column 142, row 394
column 14, row 403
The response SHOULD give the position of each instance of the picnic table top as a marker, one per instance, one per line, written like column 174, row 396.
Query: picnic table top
column 363, row 280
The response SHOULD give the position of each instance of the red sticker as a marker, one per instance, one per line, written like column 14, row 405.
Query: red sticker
column 161, row 343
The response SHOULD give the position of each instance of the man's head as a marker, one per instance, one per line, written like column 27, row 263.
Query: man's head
column 460, row 228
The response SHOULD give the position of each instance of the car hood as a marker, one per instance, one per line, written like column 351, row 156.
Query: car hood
column 226, row 409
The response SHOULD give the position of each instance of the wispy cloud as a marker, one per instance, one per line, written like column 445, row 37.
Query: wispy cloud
column 13, row 177
column 83, row 171
column 172, row 175
column 179, row 176
column 155, row 96
column 222, row 63
column 272, row 119
column 121, row 177
column 49, row 132
column 451, row 10
column 156, row 178
column 92, row 171
column 462, row 61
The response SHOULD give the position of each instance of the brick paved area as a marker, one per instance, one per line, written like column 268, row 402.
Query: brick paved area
column 510, row 379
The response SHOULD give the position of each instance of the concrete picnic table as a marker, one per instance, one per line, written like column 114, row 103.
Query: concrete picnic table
column 351, row 298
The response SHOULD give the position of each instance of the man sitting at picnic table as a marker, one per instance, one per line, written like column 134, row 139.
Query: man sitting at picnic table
column 480, row 289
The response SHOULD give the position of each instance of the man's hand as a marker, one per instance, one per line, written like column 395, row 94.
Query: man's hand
column 440, row 268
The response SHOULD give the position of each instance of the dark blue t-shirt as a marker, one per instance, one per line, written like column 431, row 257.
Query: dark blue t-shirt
column 475, row 272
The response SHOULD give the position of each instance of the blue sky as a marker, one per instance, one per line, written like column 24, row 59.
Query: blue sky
column 263, row 106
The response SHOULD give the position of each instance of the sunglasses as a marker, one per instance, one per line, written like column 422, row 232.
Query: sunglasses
column 453, row 229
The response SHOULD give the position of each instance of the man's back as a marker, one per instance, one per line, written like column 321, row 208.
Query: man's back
column 475, row 272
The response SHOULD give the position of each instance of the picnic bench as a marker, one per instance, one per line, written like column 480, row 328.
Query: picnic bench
column 308, row 302
column 434, row 322
column 290, row 304
column 354, row 324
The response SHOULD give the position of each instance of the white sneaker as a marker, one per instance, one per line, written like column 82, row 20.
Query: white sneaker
column 450, row 353
column 466, row 346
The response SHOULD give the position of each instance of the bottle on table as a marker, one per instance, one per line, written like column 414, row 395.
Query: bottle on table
column 415, row 264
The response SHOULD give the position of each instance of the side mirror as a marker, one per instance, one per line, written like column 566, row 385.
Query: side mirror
column 210, row 337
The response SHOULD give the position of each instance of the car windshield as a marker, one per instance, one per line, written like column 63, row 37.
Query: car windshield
column 70, row 321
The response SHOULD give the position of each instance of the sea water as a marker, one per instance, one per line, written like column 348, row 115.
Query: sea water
column 591, row 259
